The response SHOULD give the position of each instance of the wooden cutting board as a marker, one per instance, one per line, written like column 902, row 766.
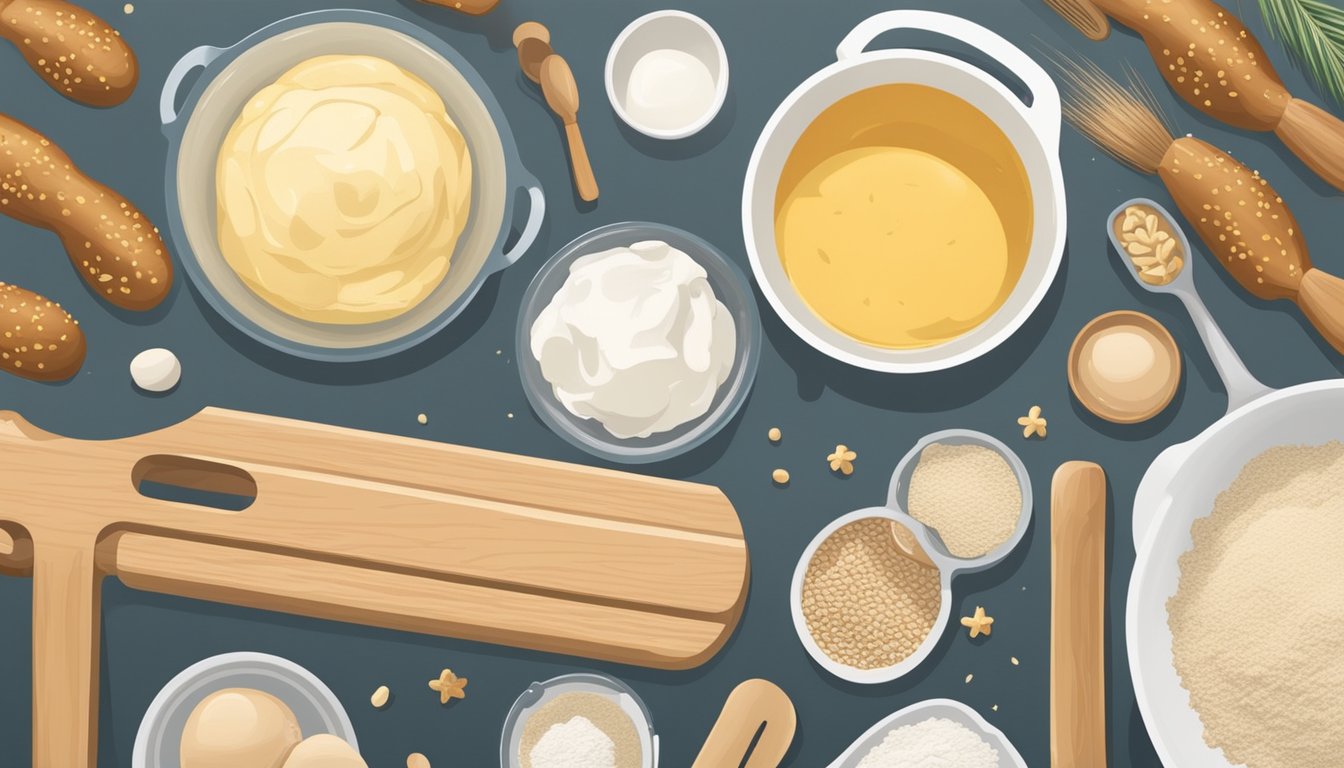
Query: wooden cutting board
column 359, row 527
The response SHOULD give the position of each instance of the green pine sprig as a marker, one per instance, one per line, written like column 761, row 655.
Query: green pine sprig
column 1313, row 32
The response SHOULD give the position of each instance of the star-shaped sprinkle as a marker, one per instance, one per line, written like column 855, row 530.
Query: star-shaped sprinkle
column 1032, row 423
column 842, row 460
column 979, row 624
column 449, row 686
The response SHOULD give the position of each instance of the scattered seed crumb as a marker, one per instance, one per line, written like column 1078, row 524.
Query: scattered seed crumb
column 774, row 435
column 842, row 460
column 509, row 415
column 780, row 476
column 979, row 624
column 380, row 697
column 499, row 352
column 422, row 418
column 1014, row 660
column 995, row 707
column 417, row 760
column 449, row 686
column 1032, row 423
column 128, row 9
column 969, row 678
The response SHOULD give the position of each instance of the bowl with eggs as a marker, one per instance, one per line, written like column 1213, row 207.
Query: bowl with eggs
column 903, row 209
column 341, row 183
column 245, row 710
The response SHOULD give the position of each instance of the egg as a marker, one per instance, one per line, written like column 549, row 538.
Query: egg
column 324, row 751
column 156, row 370
column 239, row 728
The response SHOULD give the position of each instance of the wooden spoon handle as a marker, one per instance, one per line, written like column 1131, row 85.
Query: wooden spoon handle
column 1316, row 137
column 66, row 598
column 472, row 7
column 74, row 51
column 1078, row 616
column 751, row 704
column 1321, row 298
column 584, row 180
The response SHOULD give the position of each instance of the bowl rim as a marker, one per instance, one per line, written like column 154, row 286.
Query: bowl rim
column 720, row 85
column 1054, row 217
column 518, row 179
column 741, row 378
column 986, row 730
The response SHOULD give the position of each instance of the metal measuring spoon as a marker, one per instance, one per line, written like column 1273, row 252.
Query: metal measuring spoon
column 1241, row 386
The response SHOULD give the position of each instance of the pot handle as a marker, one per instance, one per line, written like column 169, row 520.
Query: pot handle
column 1044, row 112
column 535, row 214
column 200, row 56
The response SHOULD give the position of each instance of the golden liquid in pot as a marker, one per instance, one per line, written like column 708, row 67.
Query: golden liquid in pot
column 903, row 216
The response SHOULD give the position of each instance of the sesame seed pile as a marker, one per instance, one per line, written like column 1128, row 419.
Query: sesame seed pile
column 866, row 604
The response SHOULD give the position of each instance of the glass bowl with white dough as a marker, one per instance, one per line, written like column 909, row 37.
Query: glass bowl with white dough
column 638, row 342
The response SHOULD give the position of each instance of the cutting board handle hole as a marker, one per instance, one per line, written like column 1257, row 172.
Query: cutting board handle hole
column 194, row 481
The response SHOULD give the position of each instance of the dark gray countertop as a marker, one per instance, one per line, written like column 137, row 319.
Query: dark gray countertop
column 468, row 390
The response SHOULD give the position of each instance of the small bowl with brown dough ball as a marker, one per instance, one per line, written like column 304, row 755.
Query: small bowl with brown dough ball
column 237, row 710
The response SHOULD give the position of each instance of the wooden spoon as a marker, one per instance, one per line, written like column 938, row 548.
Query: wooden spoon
column 52, row 34
column 562, row 96
column 533, row 41
column 471, row 7
column 751, row 705
column 1078, row 616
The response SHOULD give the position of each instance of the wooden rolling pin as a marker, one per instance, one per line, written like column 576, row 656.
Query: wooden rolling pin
column 111, row 244
column 1214, row 62
column 472, row 7
column 1078, row 616
column 359, row 527
column 1246, row 225
column 75, row 52
column 754, row 706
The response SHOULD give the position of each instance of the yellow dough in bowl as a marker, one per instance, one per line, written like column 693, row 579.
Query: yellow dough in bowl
column 238, row 728
column 903, row 217
column 342, row 190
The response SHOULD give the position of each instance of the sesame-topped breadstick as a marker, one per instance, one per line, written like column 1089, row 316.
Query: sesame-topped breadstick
column 1209, row 58
column 1243, row 221
column 38, row 339
column 74, row 51
column 112, row 245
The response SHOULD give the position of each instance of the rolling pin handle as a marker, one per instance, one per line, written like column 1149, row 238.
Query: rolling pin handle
column 66, row 602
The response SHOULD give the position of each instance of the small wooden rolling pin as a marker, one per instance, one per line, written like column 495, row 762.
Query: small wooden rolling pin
column 754, row 706
column 1213, row 61
column 112, row 245
column 75, row 52
column 1078, row 616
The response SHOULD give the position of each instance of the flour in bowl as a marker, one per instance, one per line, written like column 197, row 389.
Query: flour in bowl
column 1254, row 618
column 933, row 743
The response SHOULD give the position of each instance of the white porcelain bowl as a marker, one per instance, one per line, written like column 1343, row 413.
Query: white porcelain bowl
column 1033, row 131
column 666, row 29
column 918, row 713
column 312, row 702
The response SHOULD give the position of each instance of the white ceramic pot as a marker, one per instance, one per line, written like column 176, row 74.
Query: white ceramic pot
column 1033, row 131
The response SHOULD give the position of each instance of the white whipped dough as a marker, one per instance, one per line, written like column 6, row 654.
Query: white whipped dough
column 636, row 339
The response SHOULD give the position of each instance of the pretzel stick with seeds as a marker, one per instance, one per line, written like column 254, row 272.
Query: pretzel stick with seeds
column 1210, row 59
column 74, row 51
column 1243, row 221
column 112, row 245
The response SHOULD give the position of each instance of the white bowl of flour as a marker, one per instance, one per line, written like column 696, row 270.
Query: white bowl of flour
column 932, row 732
column 582, row 720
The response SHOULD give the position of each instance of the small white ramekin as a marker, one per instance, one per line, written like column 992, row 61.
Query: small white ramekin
column 666, row 29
